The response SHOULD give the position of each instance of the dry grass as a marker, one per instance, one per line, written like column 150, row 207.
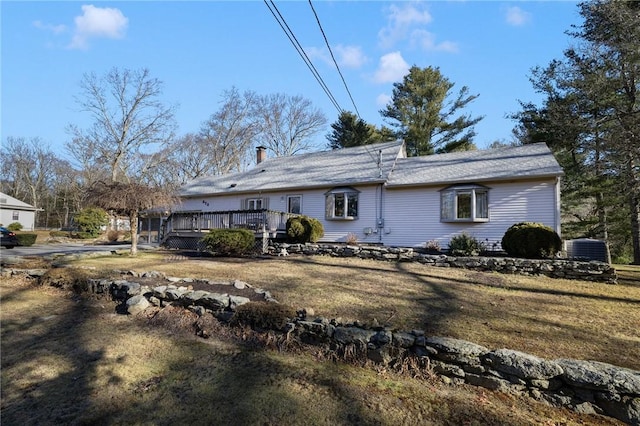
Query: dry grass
column 551, row 318
column 67, row 360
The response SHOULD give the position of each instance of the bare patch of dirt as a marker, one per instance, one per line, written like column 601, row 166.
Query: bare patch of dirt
column 221, row 288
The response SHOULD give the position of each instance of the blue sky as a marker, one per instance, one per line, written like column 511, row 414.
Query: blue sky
column 200, row 49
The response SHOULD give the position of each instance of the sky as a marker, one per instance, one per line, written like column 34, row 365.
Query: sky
column 200, row 49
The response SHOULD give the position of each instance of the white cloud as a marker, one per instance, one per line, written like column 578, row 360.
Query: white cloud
column 55, row 29
column 350, row 56
column 427, row 41
column 516, row 16
column 346, row 56
column 96, row 22
column 399, row 22
column 392, row 68
column 318, row 53
column 383, row 99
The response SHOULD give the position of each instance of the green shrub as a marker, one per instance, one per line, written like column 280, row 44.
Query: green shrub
column 531, row 240
column 229, row 242
column 27, row 239
column 295, row 230
column 263, row 315
column 304, row 229
column 465, row 245
column 15, row 226
column 317, row 230
column 90, row 222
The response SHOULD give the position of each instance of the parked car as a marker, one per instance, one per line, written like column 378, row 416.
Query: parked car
column 8, row 238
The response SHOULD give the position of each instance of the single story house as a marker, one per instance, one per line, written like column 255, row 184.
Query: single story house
column 376, row 194
column 13, row 210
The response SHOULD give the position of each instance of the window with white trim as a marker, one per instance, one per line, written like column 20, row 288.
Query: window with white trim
column 255, row 203
column 464, row 203
column 294, row 204
column 341, row 204
column 16, row 215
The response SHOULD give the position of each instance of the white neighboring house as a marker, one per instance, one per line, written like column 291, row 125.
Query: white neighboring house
column 377, row 195
column 13, row 210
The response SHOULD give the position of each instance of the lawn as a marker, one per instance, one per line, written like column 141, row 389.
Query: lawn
column 70, row 360
column 550, row 318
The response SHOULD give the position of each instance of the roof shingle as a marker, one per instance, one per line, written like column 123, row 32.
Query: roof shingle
column 526, row 161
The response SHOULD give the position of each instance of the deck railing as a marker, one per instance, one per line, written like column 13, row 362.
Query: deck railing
column 259, row 221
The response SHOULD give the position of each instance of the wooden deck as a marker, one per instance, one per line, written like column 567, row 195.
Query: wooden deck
column 185, row 229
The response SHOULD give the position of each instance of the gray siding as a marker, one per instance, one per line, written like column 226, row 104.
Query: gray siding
column 412, row 216
column 313, row 205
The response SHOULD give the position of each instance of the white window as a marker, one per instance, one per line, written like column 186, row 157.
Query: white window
column 294, row 204
column 341, row 204
column 16, row 215
column 255, row 203
column 468, row 203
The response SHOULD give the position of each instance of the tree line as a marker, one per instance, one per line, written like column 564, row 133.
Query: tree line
column 589, row 118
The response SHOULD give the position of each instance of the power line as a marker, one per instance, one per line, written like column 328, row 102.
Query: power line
column 334, row 59
column 292, row 38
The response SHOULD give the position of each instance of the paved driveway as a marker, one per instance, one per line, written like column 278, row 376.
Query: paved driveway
column 66, row 248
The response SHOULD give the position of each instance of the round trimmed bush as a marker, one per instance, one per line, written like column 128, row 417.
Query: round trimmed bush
column 316, row 230
column 531, row 240
column 229, row 242
column 295, row 230
column 304, row 229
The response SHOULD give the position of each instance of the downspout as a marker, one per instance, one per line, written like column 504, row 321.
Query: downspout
column 557, row 213
column 380, row 224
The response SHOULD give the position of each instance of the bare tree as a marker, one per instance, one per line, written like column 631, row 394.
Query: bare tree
column 28, row 170
column 228, row 134
column 288, row 123
column 129, row 199
column 127, row 116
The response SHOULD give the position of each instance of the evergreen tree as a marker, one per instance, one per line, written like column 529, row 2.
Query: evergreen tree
column 424, row 113
column 590, row 118
column 349, row 131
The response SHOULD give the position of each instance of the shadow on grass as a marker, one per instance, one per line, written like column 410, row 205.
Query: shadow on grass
column 51, row 377
column 46, row 370
column 53, row 372
column 434, row 311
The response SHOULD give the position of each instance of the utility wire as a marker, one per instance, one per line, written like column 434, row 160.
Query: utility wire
column 301, row 52
column 334, row 59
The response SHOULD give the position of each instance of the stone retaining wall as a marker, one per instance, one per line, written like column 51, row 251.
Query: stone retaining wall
column 585, row 386
column 588, row 387
column 556, row 268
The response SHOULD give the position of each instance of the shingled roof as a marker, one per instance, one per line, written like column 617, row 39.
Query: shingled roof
column 349, row 166
column 526, row 161
column 381, row 163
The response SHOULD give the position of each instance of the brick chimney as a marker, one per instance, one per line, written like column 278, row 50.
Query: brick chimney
column 261, row 154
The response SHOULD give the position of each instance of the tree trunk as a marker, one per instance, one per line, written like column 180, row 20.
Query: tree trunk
column 133, row 222
column 634, row 205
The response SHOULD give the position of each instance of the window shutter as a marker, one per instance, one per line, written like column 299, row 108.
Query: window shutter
column 329, row 206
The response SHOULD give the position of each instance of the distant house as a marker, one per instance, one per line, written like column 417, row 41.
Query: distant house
column 376, row 194
column 13, row 210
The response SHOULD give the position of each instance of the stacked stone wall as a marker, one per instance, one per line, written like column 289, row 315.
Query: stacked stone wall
column 554, row 268
column 589, row 387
